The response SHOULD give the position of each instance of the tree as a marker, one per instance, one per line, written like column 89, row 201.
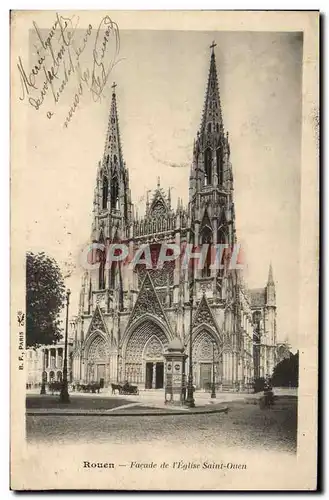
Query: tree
column 285, row 373
column 45, row 294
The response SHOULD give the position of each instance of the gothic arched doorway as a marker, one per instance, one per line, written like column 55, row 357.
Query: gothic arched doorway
column 206, row 358
column 98, row 361
column 143, row 356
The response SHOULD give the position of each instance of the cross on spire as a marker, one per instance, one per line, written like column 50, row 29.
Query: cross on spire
column 113, row 86
column 212, row 46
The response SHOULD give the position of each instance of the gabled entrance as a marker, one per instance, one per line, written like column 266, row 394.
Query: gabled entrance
column 143, row 356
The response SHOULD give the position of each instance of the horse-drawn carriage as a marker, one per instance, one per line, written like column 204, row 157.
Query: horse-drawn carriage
column 91, row 387
column 54, row 387
column 126, row 388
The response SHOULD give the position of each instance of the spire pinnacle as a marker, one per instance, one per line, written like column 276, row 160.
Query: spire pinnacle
column 212, row 113
column 113, row 142
column 270, row 280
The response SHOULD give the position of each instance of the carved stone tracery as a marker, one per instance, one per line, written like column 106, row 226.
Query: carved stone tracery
column 98, row 350
column 148, row 303
column 203, row 315
column 147, row 342
column 97, row 322
column 160, row 277
column 158, row 209
column 203, row 347
column 139, row 339
column 153, row 349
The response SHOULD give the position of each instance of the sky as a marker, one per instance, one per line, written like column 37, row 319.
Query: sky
column 161, row 80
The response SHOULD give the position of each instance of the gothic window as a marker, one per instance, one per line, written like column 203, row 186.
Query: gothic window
column 209, row 127
column 105, row 191
column 158, row 208
column 256, row 317
column 125, row 203
column 217, row 126
column 207, row 166
column 89, row 297
column 219, row 164
column 221, row 240
column 221, row 236
column 160, row 277
column 114, row 193
column 112, row 275
column 101, row 269
column 207, row 239
column 154, row 253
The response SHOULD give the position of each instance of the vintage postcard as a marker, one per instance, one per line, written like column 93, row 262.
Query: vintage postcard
column 164, row 250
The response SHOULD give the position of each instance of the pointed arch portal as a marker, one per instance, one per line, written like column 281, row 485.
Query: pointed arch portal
column 143, row 355
column 97, row 360
column 206, row 357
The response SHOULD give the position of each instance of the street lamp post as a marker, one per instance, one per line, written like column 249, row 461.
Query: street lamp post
column 213, row 389
column 64, row 396
column 190, row 397
column 190, row 392
column 43, row 381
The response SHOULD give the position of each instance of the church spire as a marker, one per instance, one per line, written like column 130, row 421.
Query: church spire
column 211, row 153
column 270, row 280
column 212, row 113
column 270, row 288
column 114, row 178
column 113, row 151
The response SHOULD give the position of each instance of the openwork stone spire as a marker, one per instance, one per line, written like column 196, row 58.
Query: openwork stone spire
column 212, row 112
column 211, row 152
column 113, row 151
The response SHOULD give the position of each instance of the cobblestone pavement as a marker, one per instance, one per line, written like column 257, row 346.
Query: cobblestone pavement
column 90, row 404
column 245, row 426
column 105, row 400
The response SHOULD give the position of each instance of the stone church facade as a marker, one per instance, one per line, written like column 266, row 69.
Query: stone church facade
column 128, row 316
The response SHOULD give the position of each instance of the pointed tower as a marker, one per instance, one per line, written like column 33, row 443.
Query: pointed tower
column 270, row 321
column 270, row 289
column 113, row 178
column 211, row 183
column 112, row 209
column 211, row 152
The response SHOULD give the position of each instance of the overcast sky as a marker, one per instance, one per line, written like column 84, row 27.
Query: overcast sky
column 161, row 80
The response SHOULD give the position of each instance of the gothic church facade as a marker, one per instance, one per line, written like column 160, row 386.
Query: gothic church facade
column 127, row 316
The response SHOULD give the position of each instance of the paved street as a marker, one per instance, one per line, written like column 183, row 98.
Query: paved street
column 245, row 426
column 86, row 401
